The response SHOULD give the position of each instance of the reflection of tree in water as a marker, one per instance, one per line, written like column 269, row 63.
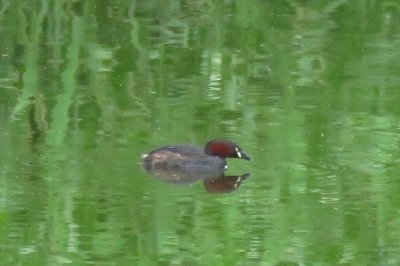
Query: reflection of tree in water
column 37, row 118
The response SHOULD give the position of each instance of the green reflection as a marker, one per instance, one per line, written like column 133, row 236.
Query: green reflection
column 310, row 88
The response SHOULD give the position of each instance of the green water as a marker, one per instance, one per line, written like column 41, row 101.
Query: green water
column 309, row 89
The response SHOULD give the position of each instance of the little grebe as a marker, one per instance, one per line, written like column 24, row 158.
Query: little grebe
column 189, row 157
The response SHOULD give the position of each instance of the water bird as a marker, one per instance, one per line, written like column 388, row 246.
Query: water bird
column 186, row 157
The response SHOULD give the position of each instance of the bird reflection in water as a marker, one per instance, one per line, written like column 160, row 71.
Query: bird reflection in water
column 214, row 179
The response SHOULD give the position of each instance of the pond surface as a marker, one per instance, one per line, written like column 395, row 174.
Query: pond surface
column 309, row 89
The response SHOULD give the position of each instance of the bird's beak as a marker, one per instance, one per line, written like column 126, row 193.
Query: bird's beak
column 243, row 155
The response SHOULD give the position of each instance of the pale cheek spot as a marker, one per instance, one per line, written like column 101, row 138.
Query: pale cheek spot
column 238, row 153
